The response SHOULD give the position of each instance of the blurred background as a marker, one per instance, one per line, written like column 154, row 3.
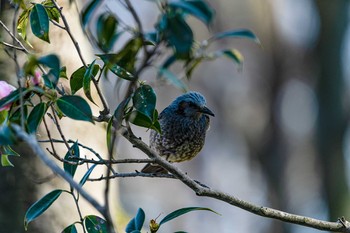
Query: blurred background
column 280, row 137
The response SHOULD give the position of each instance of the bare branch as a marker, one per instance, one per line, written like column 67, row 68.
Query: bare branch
column 12, row 46
column 13, row 36
column 201, row 190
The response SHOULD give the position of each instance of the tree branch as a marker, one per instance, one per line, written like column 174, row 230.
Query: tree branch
column 201, row 190
column 37, row 150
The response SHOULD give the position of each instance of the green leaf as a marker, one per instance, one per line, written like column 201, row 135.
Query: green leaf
column 196, row 8
column 3, row 116
column 75, row 107
column 63, row 72
column 77, row 78
column 12, row 97
column 144, row 100
column 95, row 224
column 35, row 117
column 71, row 156
column 70, row 229
column 140, row 119
column 22, row 24
column 172, row 79
column 88, row 76
column 9, row 151
column 87, row 174
column 51, row 10
column 190, row 67
column 182, row 211
column 53, row 62
column 7, row 137
column 107, row 31
column 17, row 115
column 5, row 162
column 241, row 33
column 232, row 54
column 177, row 33
column 39, row 22
column 123, row 62
column 136, row 223
column 87, row 12
column 40, row 206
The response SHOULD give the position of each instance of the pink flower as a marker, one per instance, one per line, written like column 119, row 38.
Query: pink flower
column 5, row 90
column 37, row 79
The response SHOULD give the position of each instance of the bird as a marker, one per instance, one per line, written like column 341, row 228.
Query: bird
column 183, row 124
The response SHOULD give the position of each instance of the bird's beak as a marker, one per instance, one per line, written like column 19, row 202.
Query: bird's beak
column 206, row 110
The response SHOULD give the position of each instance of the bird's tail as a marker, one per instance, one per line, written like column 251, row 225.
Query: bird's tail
column 154, row 168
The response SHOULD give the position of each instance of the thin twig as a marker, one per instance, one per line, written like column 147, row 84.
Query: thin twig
column 55, row 121
column 50, row 140
column 134, row 174
column 13, row 36
column 13, row 46
column 77, row 47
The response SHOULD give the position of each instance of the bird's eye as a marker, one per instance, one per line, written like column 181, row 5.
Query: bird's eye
column 192, row 105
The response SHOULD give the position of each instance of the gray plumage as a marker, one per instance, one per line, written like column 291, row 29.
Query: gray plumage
column 184, row 124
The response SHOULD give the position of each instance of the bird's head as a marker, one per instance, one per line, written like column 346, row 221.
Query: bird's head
column 191, row 104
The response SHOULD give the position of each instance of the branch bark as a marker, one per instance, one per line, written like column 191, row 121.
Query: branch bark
column 201, row 190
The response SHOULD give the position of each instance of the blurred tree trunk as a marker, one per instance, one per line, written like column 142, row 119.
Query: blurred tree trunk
column 330, row 91
column 17, row 191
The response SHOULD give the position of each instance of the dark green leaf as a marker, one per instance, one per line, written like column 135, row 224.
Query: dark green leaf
column 169, row 61
column 39, row 22
column 118, row 70
column 87, row 174
column 140, row 119
column 77, row 78
column 178, row 34
column 12, row 97
column 88, row 11
column 144, row 100
column 196, row 8
column 95, row 224
column 35, row 117
column 70, row 229
column 241, row 33
column 182, row 211
column 75, row 107
column 107, row 31
column 136, row 223
column 52, row 77
column 173, row 79
column 125, row 59
column 40, row 206
column 22, row 24
column 71, row 156
column 88, row 76
column 191, row 66
column 17, row 115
